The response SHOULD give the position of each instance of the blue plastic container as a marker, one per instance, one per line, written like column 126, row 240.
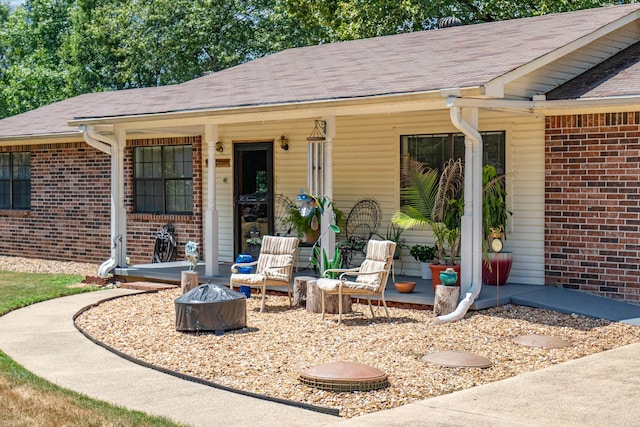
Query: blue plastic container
column 244, row 258
column 245, row 290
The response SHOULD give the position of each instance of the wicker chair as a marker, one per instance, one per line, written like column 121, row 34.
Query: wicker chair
column 274, row 266
column 361, row 224
column 367, row 280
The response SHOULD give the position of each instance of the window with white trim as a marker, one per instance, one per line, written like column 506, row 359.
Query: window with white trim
column 435, row 149
column 163, row 179
column 15, row 180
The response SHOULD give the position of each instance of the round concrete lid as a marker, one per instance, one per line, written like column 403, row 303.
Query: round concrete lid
column 343, row 376
column 544, row 341
column 457, row 359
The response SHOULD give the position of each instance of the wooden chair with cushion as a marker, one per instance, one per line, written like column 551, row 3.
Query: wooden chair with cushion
column 370, row 279
column 274, row 266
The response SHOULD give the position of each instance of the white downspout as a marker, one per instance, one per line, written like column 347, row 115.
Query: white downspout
column 111, row 147
column 472, row 218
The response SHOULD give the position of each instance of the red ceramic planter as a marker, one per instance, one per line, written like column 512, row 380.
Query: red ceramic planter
column 500, row 268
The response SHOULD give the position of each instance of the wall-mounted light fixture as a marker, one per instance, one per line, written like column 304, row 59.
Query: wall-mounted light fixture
column 284, row 143
column 219, row 147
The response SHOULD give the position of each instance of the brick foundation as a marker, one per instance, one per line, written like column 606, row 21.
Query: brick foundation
column 592, row 204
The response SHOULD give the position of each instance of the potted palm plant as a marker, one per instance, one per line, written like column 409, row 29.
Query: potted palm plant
column 497, row 263
column 433, row 199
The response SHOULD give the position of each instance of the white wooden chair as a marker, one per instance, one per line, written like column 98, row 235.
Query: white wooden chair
column 274, row 266
column 370, row 279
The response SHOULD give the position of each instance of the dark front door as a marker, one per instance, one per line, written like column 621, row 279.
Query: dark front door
column 253, row 195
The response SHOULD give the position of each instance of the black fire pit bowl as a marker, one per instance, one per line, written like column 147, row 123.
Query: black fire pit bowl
column 211, row 307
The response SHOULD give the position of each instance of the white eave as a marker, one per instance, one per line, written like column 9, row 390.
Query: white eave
column 495, row 87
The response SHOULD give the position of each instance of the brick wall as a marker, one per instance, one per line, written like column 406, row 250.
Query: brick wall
column 142, row 228
column 70, row 211
column 592, row 218
column 70, row 206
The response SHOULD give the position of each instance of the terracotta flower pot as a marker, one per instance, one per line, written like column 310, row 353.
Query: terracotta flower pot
column 405, row 287
column 435, row 273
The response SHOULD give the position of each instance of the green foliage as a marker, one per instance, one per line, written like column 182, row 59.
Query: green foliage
column 305, row 224
column 329, row 264
column 423, row 253
column 494, row 200
column 431, row 199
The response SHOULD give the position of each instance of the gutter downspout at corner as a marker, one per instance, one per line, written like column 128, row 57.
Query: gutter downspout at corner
column 109, row 146
column 473, row 146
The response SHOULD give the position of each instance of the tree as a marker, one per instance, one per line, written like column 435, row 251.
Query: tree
column 135, row 43
column 31, row 73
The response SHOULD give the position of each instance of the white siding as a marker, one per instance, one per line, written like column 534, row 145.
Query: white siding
column 366, row 158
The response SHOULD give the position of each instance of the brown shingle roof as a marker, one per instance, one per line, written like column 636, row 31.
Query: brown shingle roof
column 457, row 57
column 616, row 76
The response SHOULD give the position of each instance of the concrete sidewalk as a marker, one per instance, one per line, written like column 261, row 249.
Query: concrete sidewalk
column 592, row 391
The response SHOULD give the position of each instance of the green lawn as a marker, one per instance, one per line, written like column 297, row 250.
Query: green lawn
column 27, row 400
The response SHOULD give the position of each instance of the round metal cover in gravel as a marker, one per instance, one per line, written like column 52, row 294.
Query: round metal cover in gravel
column 344, row 376
column 545, row 341
column 457, row 359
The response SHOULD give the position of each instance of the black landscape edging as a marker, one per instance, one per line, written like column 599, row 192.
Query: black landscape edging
column 321, row 409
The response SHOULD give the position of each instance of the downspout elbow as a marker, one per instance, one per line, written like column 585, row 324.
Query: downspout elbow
column 97, row 141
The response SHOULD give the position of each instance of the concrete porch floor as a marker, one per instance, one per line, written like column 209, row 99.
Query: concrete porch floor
column 548, row 297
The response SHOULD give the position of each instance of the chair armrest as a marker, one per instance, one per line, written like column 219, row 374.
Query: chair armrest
column 357, row 273
column 234, row 267
column 338, row 270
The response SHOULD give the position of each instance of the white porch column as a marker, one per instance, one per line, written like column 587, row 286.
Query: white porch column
column 118, row 210
column 211, row 213
column 471, row 249
column 328, row 241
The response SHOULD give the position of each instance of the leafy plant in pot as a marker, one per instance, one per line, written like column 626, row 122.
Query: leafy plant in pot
column 433, row 199
column 497, row 263
column 309, row 226
column 425, row 255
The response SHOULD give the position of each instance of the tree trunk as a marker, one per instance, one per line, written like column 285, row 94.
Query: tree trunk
column 314, row 300
column 300, row 290
column 189, row 280
column 446, row 299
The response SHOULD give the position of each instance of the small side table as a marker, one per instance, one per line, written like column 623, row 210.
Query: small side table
column 300, row 290
column 314, row 300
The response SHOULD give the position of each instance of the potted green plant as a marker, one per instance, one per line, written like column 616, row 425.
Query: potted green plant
column 497, row 263
column 309, row 226
column 433, row 199
column 425, row 255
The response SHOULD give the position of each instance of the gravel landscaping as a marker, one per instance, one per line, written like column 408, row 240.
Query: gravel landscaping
column 268, row 355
